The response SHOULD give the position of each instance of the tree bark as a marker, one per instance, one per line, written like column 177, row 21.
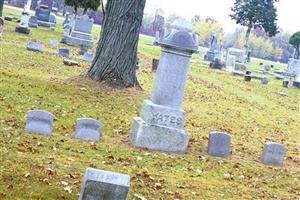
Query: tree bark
column 247, row 36
column 116, row 56
column 298, row 52
column 1, row 7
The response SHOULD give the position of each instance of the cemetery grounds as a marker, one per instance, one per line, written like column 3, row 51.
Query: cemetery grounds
column 36, row 167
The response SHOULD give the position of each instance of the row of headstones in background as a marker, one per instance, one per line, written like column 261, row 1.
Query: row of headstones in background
column 41, row 122
column 219, row 146
column 249, row 76
column 64, row 52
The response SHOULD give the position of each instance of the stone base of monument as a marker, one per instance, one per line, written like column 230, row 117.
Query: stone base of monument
column 159, row 128
column 44, row 24
column 22, row 30
column 216, row 64
column 79, row 39
column 240, row 66
column 33, row 22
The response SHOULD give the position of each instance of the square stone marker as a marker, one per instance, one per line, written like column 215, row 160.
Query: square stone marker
column 39, row 121
column 35, row 46
column 88, row 129
column 89, row 57
column 104, row 185
column 273, row 154
column 219, row 144
column 64, row 52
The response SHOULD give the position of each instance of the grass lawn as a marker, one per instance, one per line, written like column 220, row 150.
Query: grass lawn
column 36, row 167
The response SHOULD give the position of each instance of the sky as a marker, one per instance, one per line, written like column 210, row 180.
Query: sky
column 288, row 11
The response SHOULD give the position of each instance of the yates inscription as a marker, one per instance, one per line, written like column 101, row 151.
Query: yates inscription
column 166, row 119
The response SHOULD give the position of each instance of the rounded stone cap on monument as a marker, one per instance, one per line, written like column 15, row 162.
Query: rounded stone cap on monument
column 181, row 37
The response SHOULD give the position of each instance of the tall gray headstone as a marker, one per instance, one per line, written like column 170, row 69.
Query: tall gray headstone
column 219, row 144
column 24, row 23
column 88, row 129
column 39, row 121
column 104, row 185
column 81, row 32
column 238, row 53
column 273, row 154
column 293, row 69
column 160, row 126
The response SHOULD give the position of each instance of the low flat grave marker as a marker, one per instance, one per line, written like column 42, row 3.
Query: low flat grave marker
column 35, row 46
column 71, row 62
column 219, row 144
column 39, row 121
column 273, row 154
column 65, row 53
column 104, row 185
column 89, row 57
column 88, row 129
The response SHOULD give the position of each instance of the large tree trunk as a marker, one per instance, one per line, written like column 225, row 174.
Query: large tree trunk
column 116, row 57
column 247, row 36
column 1, row 7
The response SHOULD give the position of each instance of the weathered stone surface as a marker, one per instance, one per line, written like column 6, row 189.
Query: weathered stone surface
column 39, row 121
column 104, row 185
column 81, row 32
column 35, row 46
column 162, row 119
column 160, row 138
column 162, row 115
column 273, row 154
column 219, row 144
column 180, row 37
column 88, row 129
column 170, row 79
column 238, row 53
column 24, row 24
column 230, row 63
column 63, row 52
column 89, row 57
column 293, row 69
column 33, row 22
